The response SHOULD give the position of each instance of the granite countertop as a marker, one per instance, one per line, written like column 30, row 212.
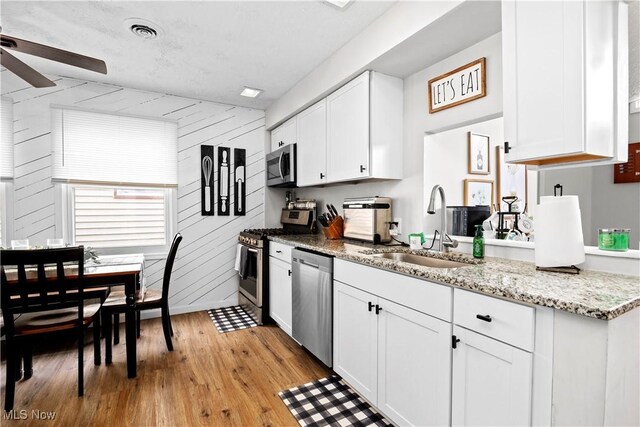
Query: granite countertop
column 593, row 294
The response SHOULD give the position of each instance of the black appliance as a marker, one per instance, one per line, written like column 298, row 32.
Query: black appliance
column 281, row 167
column 462, row 220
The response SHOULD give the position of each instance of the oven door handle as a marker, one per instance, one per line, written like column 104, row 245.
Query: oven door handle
column 280, row 166
column 255, row 251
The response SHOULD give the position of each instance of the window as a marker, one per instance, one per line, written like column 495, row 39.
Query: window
column 118, row 178
column 6, row 170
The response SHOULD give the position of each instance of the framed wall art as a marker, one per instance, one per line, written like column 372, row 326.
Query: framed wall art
column 512, row 181
column 224, row 164
column 478, row 154
column 206, row 179
column 464, row 84
column 239, row 182
column 478, row 192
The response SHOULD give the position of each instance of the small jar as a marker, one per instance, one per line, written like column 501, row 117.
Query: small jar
column 613, row 239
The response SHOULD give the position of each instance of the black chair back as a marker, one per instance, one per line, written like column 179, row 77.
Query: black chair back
column 169, row 266
column 40, row 280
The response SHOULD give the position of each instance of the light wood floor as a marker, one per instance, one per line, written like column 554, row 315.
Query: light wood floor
column 209, row 379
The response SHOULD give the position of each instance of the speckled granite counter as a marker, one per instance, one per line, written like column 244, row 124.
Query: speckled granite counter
column 593, row 294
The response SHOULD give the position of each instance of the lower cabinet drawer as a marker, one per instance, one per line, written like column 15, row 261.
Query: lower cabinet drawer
column 280, row 251
column 505, row 321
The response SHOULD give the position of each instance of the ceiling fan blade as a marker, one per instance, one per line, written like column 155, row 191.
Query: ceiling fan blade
column 23, row 71
column 54, row 54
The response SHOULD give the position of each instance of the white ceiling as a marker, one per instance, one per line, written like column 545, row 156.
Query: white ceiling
column 208, row 50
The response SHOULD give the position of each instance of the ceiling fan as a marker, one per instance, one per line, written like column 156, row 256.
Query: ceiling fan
column 30, row 75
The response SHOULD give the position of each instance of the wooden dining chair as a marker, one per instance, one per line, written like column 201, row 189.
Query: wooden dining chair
column 43, row 293
column 153, row 299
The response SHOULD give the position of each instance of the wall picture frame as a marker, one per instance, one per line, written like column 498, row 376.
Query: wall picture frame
column 511, row 181
column 224, row 166
column 479, row 159
column 464, row 84
column 478, row 192
column 206, row 180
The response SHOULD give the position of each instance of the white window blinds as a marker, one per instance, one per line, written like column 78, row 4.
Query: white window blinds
column 107, row 148
column 6, row 138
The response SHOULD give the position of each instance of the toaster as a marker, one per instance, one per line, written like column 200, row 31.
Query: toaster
column 367, row 219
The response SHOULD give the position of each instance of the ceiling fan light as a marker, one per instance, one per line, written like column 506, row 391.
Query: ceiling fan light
column 250, row 92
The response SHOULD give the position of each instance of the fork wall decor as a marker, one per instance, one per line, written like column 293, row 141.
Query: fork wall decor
column 206, row 179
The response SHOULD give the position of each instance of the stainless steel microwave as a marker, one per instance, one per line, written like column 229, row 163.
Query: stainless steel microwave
column 281, row 167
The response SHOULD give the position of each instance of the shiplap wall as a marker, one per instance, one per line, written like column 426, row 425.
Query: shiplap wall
column 203, row 275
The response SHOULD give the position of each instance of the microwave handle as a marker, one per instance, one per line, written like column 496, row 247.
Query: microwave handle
column 280, row 166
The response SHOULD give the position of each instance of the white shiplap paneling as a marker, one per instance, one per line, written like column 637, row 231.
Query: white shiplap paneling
column 203, row 275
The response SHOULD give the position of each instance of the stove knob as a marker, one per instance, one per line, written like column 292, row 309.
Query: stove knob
column 254, row 242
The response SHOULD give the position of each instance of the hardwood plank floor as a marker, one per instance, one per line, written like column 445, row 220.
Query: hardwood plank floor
column 230, row 379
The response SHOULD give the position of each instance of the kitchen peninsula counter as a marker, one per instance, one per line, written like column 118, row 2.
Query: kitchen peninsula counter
column 590, row 293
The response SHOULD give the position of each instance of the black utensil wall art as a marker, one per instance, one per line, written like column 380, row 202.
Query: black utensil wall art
column 206, row 178
column 223, row 180
column 239, row 182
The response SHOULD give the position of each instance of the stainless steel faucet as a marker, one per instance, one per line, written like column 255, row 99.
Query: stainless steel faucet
column 444, row 241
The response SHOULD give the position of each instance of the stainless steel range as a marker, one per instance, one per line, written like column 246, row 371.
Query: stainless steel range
column 254, row 278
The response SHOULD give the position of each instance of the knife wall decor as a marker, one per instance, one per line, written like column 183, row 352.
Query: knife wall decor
column 239, row 182
column 224, row 159
column 206, row 179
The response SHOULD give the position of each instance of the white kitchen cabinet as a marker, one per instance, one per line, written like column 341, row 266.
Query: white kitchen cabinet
column 284, row 134
column 565, row 77
column 396, row 357
column 348, row 131
column 492, row 382
column 355, row 339
column 364, row 129
column 312, row 145
column 414, row 366
column 280, row 302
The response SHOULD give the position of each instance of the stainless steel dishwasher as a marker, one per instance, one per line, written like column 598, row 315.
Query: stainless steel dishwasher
column 312, row 299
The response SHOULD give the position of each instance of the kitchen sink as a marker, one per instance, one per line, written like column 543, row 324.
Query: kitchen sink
column 421, row 260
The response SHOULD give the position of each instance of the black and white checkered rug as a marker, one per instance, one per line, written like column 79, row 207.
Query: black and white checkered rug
column 329, row 401
column 228, row 319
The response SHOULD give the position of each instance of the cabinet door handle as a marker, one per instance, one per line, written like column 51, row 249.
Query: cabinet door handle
column 454, row 341
column 321, row 175
column 370, row 305
column 289, row 271
column 378, row 309
column 362, row 168
column 278, row 252
column 506, row 147
column 484, row 317
column 280, row 144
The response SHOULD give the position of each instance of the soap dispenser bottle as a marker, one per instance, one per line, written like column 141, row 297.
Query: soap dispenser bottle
column 478, row 243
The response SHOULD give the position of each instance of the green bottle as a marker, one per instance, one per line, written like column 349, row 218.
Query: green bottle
column 478, row 243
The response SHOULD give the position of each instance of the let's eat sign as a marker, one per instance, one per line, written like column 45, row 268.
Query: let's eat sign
column 456, row 87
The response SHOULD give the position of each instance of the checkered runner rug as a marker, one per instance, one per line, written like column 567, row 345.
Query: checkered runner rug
column 228, row 319
column 329, row 401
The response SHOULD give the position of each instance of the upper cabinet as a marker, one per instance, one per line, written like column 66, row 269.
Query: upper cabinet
column 348, row 131
column 353, row 134
column 284, row 134
column 565, row 71
column 312, row 145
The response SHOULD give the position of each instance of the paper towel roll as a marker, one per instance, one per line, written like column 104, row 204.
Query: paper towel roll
column 559, row 241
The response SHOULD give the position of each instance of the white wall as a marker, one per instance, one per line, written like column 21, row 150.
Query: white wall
column 203, row 275
column 408, row 193
column 398, row 24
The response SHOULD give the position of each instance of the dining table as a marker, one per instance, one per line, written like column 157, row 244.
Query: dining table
column 108, row 271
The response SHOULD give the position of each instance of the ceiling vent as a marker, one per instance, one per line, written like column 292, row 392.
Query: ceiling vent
column 143, row 28
column 144, row 31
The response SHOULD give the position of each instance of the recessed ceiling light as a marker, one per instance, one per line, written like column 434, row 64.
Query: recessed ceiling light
column 143, row 28
column 340, row 4
column 251, row 92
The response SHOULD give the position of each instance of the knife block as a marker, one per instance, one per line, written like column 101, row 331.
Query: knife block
column 335, row 230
